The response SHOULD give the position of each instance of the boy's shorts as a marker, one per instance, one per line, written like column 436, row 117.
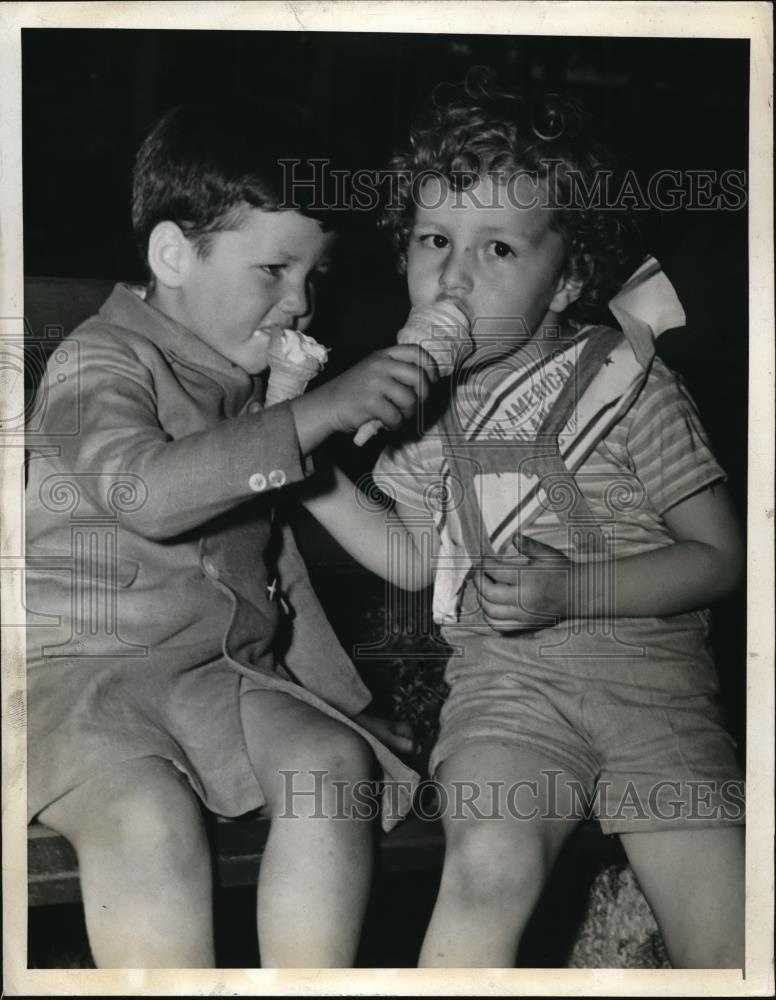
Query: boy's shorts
column 630, row 722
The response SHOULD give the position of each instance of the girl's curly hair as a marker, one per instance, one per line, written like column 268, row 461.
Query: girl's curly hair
column 478, row 129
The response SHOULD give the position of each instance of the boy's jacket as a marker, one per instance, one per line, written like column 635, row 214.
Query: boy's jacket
column 150, row 522
column 119, row 504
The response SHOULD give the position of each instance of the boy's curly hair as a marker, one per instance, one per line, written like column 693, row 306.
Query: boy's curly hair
column 480, row 129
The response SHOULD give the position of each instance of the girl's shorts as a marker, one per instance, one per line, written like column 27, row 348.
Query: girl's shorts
column 630, row 720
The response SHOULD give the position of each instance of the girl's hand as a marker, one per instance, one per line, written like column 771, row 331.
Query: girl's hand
column 702, row 565
column 526, row 591
column 397, row 736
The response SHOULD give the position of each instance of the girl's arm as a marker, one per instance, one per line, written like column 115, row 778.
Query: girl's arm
column 704, row 565
column 397, row 544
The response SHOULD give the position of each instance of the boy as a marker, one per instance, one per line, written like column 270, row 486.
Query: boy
column 580, row 527
column 176, row 650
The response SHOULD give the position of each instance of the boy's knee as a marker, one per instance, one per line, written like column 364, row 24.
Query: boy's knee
column 337, row 750
column 145, row 809
column 329, row 774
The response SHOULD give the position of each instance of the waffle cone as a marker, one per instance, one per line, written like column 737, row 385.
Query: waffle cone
column 367, row 431
column 288, row 379
column 446, row 352
column 442, row 332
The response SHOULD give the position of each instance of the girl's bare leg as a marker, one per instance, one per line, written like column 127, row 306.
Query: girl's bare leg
column 694, row 882
column 317, row 866
column 144, row 865
column 495, row 868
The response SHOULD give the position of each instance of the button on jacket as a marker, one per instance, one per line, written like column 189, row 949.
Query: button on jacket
column 152, row 557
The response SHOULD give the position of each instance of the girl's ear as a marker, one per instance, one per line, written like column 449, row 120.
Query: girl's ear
column 568, row 290
column 169, row 254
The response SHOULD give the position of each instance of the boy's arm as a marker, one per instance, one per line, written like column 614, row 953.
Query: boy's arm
column 183, row 483
column 122, row 457
column 703, row 566
column 396, row 544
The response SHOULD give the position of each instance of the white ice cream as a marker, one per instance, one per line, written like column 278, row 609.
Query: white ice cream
column 300, row 349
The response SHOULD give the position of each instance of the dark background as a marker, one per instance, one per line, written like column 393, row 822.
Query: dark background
column 89, row 96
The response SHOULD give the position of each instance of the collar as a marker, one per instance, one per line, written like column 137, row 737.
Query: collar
column 126, row 306
column 646, row 306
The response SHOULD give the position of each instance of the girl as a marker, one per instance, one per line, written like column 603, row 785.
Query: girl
column 582, row 531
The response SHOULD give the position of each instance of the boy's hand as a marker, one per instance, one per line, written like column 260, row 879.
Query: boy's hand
column 397, row 736
column 526, row 591
column 386, row 386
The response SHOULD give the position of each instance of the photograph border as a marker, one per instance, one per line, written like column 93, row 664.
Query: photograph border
column 621, row 19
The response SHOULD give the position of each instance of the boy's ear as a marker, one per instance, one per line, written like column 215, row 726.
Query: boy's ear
column 568, row 290
column 169, row 253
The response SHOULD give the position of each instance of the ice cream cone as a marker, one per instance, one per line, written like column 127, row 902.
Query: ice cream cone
column 367, row 431
column 287, row 379
column 294, row 359
column 442, row 330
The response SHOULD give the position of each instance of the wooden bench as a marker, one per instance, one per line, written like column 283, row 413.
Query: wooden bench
column 415, row 845
column 238, row 845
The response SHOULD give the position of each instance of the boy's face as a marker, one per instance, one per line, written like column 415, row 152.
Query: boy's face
column 261, row 273
column 499, row 261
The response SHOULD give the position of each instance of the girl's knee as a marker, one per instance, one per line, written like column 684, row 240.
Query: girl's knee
column 488, row 860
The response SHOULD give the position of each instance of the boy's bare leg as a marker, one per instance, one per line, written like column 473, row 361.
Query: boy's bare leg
column 494, row 869
column 316, row 870
column 694, row 882
column 144, row 866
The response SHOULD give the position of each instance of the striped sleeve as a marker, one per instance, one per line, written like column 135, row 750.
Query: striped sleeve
column 410, row 471
column 666, row 442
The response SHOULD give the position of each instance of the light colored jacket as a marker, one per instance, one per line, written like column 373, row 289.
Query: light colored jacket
column 149, row 523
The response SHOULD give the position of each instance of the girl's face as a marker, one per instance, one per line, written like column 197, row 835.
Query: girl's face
column 492, row 251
